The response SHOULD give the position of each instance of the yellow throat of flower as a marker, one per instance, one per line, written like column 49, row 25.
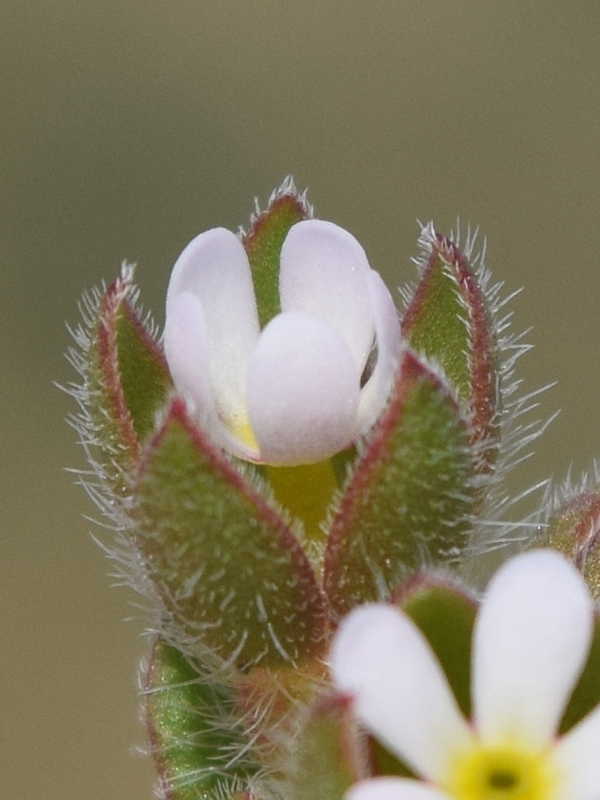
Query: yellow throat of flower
column 502, row 773
column 240, row 427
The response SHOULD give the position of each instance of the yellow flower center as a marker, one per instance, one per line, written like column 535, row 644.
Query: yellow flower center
column 502, row 773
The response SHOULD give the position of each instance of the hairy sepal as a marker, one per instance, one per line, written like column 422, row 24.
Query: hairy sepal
column 125, row 383
column 228, row 569
column 263, row 243
column 573, row 528
column 199, row 747
column 329, row 752
column 409, row 499
column 445, row 614
column 447, row 321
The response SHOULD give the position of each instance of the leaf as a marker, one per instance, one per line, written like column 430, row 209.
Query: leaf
column 226, row 566
column 198, row 748
column 263, row 244
column 448, row 322
column 408, row 500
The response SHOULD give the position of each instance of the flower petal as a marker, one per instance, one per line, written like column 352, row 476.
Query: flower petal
column 401, row 695
column 186, row 349
column 577, row 760
column 302, row 391
column 214, row 267
column 393, row 789
column 322, row 272
column 531, row 639
column 387, row 332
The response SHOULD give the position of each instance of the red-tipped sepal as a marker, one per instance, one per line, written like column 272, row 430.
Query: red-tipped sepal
column 448, row 321
column 263, row 244
column 445, row 614
column 409, row 498
column 228, row 569
column 125, row 382
column 330, row 753
column 573, row 529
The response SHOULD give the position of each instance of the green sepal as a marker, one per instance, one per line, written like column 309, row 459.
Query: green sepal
column 191, row 725
column 448, row 322
column 573, row 530
column 263, row 244
column 142, row 370
column 409, row 496
column 445, row 613
column 132, row 368
column 586, row 695
column 227, row 567
column 125, row 382
column 329, row 754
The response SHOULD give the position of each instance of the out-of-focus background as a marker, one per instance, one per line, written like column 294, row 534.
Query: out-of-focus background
column 128, row 127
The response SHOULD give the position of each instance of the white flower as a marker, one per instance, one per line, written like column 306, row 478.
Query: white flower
column 291, row 393
column 531, row 641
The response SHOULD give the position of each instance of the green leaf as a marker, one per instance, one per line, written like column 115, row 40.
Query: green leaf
column 263, row 244
column 198, row 749
column 448, row 322
column 409, row 497
column 228, row 569
column 587, row 692
column 446, row 616
column 327, row 757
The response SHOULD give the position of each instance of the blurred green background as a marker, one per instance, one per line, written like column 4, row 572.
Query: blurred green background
column 128, row 127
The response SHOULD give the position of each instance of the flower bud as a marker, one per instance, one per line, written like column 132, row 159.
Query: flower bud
column 306, row 383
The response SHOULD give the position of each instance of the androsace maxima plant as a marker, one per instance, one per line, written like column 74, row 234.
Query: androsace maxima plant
column 290, row 449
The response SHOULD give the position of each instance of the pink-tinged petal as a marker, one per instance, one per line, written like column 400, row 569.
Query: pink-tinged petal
column 214, row 267
column 531, row 640
column 387, row 333
column 186, row 349
column 577, row 760
column 302, row 391
column 187, row 353
column 322, row 272
column 382, row 660
column 393, row 789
